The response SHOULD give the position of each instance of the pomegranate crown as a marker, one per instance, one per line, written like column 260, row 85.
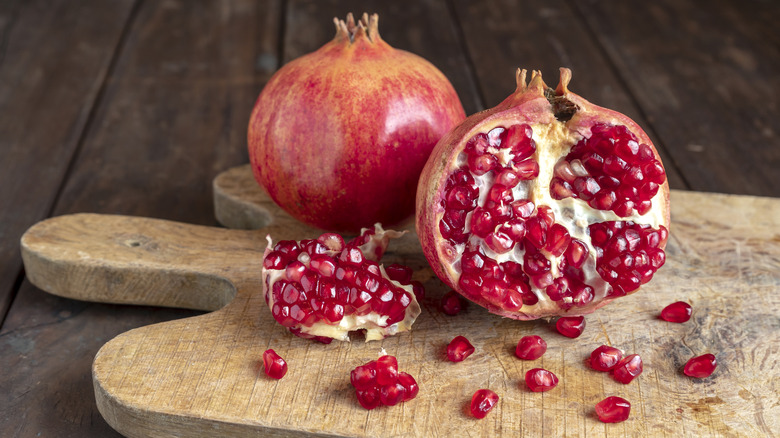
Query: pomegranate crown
column 366, row 27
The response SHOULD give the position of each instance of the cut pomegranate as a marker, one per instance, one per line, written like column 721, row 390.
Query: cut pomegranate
column 540, row 380
column 378, row 382
column 605, row 358
column 677, row 312
column 482, row 402
column 613, row 409
column 570, row 326
column 459, row 349
column 451, row 304
column 701, row 366
column 628, row 368
column 546, row 205
column 322, row 289
column 530, row 347
column 275, row 366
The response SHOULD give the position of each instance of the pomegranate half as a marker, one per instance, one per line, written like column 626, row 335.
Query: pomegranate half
column 338, row 137
column 544, row 205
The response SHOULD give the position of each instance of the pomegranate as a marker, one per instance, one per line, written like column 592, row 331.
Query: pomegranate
column 338, row 137
column 379, row 383
column 459, row 349
column 544, row 205
column 530, row 347
column 483, row 402
column 273, row 364
column 325, row 288
column 613, row 409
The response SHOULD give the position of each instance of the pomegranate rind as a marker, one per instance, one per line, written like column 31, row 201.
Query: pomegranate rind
column 372, row 244
column 529, row 104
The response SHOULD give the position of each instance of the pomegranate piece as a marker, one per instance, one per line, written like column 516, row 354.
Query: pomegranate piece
column 275, row 367
column 613, row 409
column 451, row 304
column 530, row 347
column 628, row 368
column 570, row 326
column 482, row 402
column 378, row 382
column 700, row 366
column 323, row 289
column 459, row 348
column 491, row 232
column 540, row 380
column 605, row 358
column 677, row 312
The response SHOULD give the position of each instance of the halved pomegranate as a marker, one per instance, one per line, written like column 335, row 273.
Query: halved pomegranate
column 322, row 289
column 544, row 205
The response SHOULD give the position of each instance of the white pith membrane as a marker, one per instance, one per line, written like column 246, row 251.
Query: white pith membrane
column 554, row 142
column 375, row 325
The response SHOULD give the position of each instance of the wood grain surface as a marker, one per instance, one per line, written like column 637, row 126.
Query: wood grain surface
column 201, row 376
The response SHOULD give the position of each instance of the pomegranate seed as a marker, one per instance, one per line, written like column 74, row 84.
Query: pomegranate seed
column 364, row 376
column 275, row 366
column 570, row 326
column 523, row 208
column 677, row 312
column 530, row 347
column 605, row 358
column 540, row 380
column 482, row 402
column 701, row 366
column 379, row 383
column 627, row 369
column 450, row 303
column 459, row 348
column 399, row 273
column 392, row 394
column 410, row 386
column 613, row 409
column 386, row 370
column 368, row 398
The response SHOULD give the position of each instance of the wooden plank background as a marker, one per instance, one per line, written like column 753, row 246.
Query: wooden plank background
column 134, row 106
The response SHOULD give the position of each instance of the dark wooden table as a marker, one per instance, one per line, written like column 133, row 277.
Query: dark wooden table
column 133, row 107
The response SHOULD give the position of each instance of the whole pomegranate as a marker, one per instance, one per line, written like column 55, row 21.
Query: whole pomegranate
column 544, row 205
column 338, row 137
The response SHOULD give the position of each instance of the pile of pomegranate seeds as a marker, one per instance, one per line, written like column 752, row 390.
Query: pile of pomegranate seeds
column 613, row 409
column 451, row 303
column 482, row 402
column 540, row 380
column 605, row 358
column 275, row 367
column 459, row 349
column 701, row 366
column 530, row 347
column 628, row 368
column 677, row 312
column 379, row 383
column 570, row 326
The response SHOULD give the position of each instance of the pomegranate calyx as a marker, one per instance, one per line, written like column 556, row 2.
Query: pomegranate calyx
column 367, row 27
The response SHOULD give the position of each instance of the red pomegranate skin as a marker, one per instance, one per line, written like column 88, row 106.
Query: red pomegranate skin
column 338, row 137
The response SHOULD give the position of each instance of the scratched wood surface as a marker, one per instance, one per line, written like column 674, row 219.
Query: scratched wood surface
column 201, row 376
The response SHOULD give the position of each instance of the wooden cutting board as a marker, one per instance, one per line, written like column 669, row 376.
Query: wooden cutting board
column 202, row 376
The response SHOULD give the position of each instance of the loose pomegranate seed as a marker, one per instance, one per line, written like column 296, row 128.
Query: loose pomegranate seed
column 392, row 394
column 482, row 402
column 540, row 380
column 677, row 312
column 386, row 370
column 530, row 347
column 378, row 382
column 628, row 368
column 605, row 358
column 701, row 366
column 613, row 409
column 459, row 349
column 399, row 273
column 410, row 386
column 570, row 326
column 451, row 303
column 275, row 366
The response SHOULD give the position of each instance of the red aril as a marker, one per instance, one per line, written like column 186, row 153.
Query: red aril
column 338, row 137
column 628, row 368
column 544, row 205
column 605, row 358
column 570, row 326
column 540, row 380
column 459, row 348
column 530, row 347
column 613, row 409
column 378, row 382
column 324, row 288
column 273, row 364
column 677, row 312
column 700, row 366
column 451, row 304
column 482, row 402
